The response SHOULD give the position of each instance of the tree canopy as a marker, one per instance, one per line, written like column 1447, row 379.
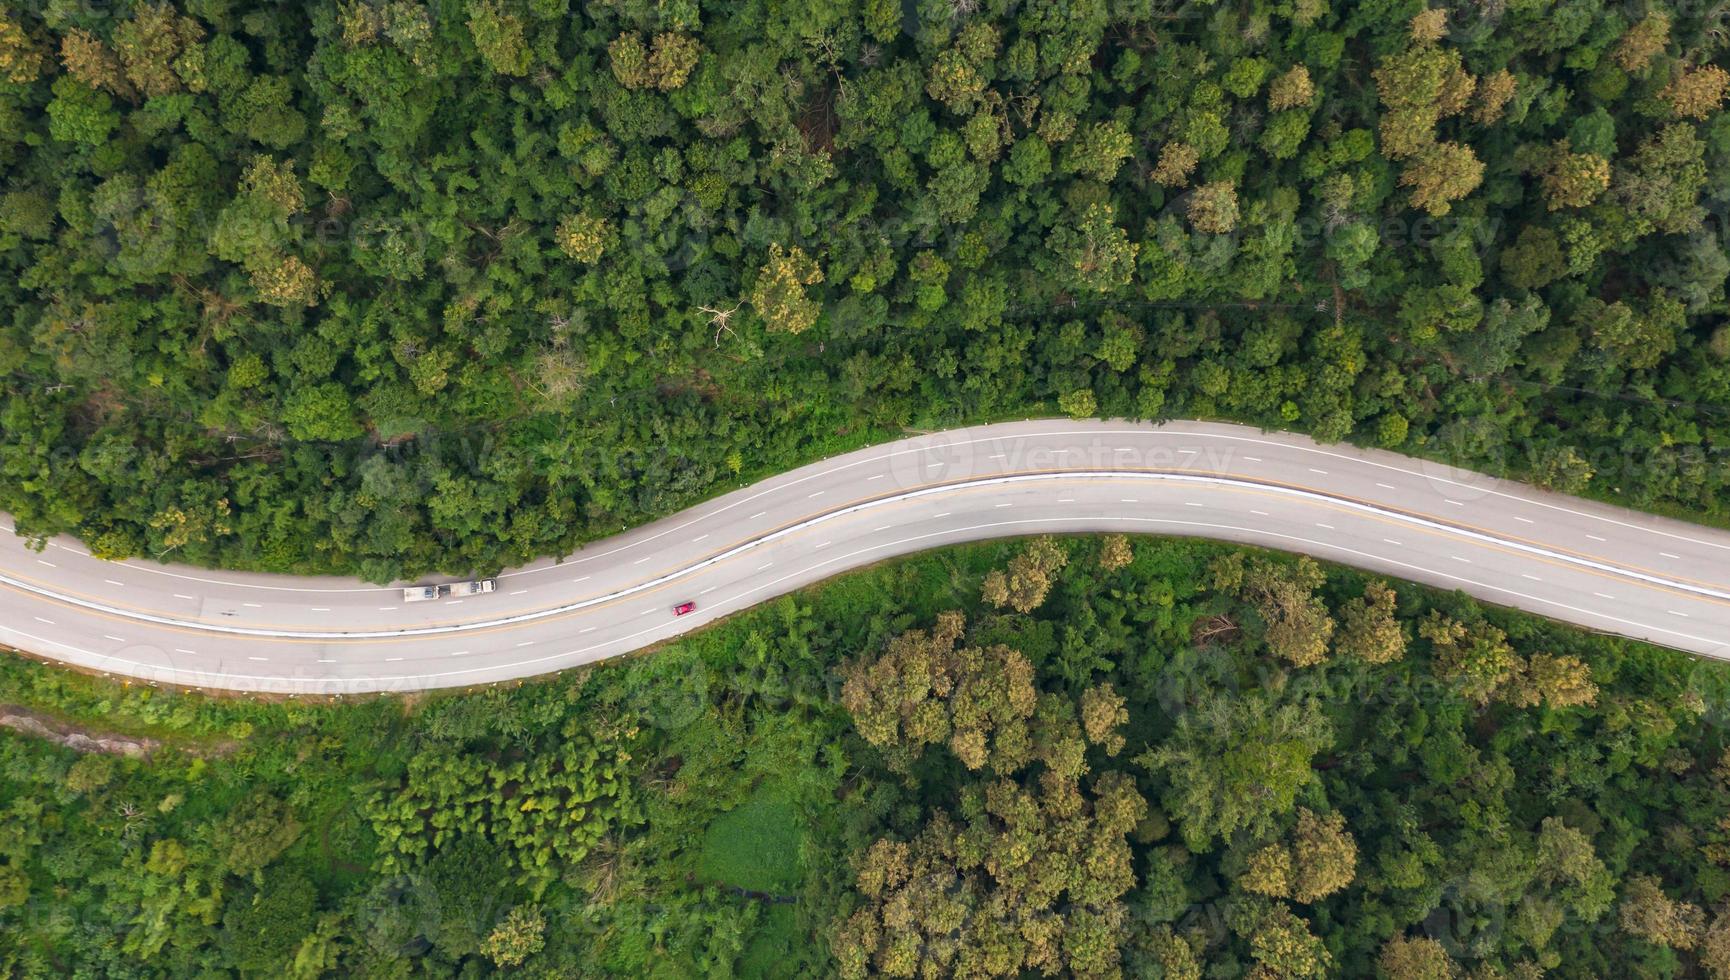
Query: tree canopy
column 384, row 287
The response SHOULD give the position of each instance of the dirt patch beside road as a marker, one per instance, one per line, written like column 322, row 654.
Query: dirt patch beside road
column 35, row 723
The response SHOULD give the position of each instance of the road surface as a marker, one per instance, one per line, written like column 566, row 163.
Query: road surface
column 1581, row 562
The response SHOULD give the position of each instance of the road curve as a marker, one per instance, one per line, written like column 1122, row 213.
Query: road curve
column 1597, row 566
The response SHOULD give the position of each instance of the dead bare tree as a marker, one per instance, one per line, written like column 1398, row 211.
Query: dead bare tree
column 1214, row 629
column 719, row 320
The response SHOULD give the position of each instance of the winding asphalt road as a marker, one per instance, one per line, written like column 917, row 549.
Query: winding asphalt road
column 1600, row 567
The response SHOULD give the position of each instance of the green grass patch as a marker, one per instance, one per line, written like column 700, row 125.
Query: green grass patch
column 755, row 845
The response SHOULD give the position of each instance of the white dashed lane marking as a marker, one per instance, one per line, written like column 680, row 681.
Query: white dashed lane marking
column 658, row 629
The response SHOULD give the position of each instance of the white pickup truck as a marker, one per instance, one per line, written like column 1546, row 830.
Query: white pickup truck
column 424, row 593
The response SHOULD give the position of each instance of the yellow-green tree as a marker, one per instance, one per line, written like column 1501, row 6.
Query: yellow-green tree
column 1416, row 958
column 1656, row 917
column 1643, row 41
column 150, row 42
column 779, row 295
column 927, row 689
column 520, row 936
column 1697, row 93
column 1440, row 174
column 1031, row 879
column 1297, row 626
column 1103, row 713
column 1369, row 628
column 1213, row 207
column 1024, row 585
column 499, row 37
column 582, row 237
column 1573, row 180
column 1475, row 656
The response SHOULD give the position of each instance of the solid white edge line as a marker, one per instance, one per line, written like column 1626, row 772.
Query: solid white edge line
column 1101, row 433
column 380, row 683
column 790, row 529
column 1035, row 435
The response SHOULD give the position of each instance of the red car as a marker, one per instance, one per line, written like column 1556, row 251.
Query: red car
column 683, row 608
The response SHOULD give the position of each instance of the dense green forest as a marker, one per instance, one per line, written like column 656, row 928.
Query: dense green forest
column 1093, row 756
column 386, row 286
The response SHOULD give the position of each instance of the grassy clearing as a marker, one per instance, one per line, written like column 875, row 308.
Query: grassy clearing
column 755, row 846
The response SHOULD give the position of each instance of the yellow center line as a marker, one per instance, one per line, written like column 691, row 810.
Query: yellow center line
column 1241, row 485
